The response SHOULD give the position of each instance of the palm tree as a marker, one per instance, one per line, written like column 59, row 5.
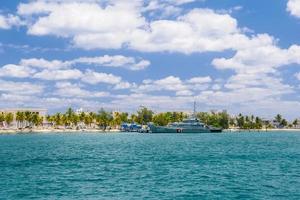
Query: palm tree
column 50, row 119
column 241, row 121
column 36, row 119
column 20, row 117
column 278, row 118
column 133, row 118
column 104, row 119
column 93, row 117
column 117, row 119
column 71, row 117
column 57, row 118
column 2, row 118
column 124, row 117
column 9, row 118
column 258, row 123
column 28, row 117
column 295, row 122
column 39, row 121
column 74, row 119
column 65, row 120
column 144, row 115
column 88, row 119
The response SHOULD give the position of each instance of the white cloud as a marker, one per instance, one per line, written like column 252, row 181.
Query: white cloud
column 297, row 75
column 184, row 93
column 67, row 89
column 6, row 22
column 256, row 77
column 293, row 7
column 118, row 61
column 200, row 80
column 107, row 26
column 216, row 87
column 124, row 85
column 114, row 61
column 59, row 74
column 20, row 88
column 198, row 31
column 3, row 23
column 169, row 83
column 158, row 103
column 42, row 63
column 263, row 57
column 92, row 77
column 59, row 70
column 175, row 84
column 17, row 71
column 121, row 24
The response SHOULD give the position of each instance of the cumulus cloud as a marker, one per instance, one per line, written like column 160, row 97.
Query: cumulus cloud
column 297, row 75
column 175, row 84
column 264, row 57
column 67, row 89
column 20, row 88
column 109, row 26
column 117, row 61
column 124, row 85
column 63, row 70
column 42, row 63
column 93, row 78
column 200, row 80
column 114, row 61
column 6, row 22
column 58, row 74
column 293, row 7
column 258, row 64
column 122, row 25
column 17, row 71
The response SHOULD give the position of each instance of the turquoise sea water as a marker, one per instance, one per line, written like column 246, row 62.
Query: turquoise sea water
column 137, row 166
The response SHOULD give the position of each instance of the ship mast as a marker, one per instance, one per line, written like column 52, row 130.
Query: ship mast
column 194, row 113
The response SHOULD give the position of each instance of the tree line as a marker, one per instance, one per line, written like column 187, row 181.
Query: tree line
column 105, row 119
column 24, row 119
column 143, row 116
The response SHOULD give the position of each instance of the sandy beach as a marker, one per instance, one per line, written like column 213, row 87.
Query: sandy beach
column 263, row 130
column 14, row 131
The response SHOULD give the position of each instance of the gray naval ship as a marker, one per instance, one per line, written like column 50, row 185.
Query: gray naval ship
column 190, row 125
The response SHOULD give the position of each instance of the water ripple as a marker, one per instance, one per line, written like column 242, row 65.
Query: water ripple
column 131, row 166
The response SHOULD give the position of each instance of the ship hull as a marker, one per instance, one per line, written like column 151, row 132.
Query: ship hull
column 163, row 129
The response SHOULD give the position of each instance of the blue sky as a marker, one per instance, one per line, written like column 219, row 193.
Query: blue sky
column 242, row 56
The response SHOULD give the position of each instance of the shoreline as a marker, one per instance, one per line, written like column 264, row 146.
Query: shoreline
column 66, row 131
column 14, row 131
column 262, row 130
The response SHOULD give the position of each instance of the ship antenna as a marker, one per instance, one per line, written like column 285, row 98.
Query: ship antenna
column 194, row 109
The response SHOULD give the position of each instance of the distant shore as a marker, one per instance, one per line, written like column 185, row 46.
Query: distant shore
column 15, row 131
column 263, row 130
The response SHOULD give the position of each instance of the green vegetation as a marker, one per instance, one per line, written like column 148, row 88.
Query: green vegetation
column 144, row 116
column 163, row 119
column 106, row 120
column 23, row 119
column 27, row 119
column 248, row 122
column 219, row 120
